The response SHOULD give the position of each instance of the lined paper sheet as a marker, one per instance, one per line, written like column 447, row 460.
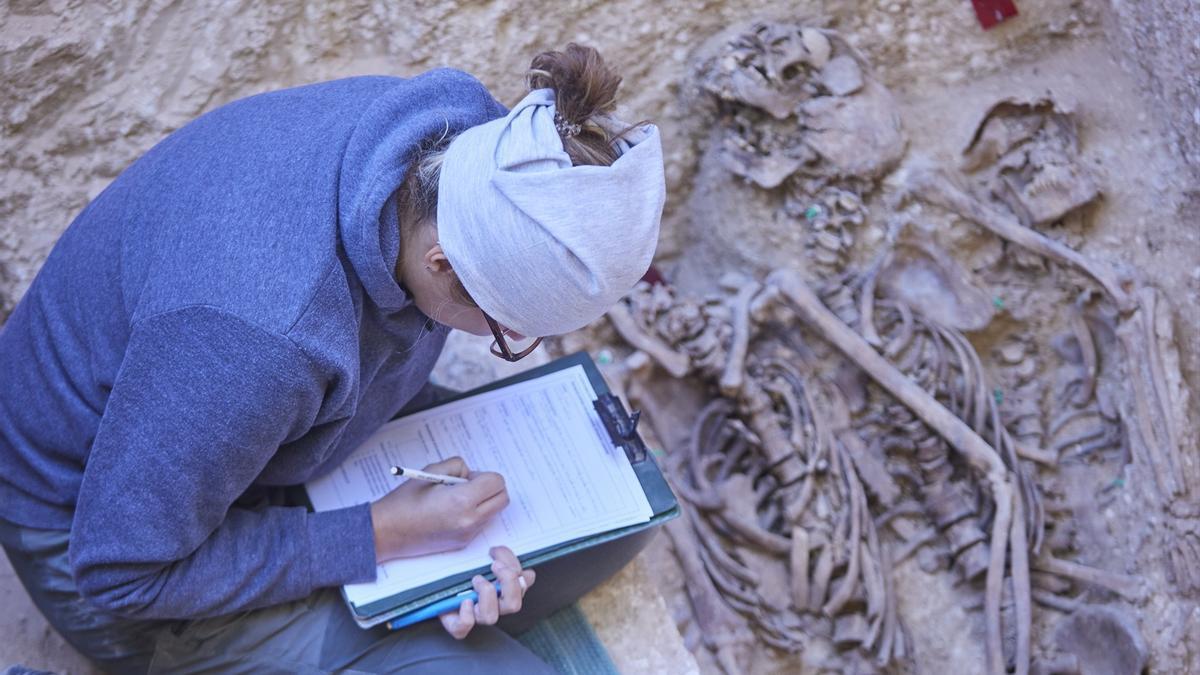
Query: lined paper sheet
column 565, row 478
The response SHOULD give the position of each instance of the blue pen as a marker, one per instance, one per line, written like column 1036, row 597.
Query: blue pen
column 449, row 604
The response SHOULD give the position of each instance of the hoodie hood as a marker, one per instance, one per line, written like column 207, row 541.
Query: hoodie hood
column 442, row 101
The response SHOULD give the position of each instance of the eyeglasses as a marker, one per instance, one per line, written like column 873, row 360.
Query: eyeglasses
column 500, row 346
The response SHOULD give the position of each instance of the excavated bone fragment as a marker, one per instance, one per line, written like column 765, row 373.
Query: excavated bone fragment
column 1124, row 585
column 675, row 363
column 734, row 373
column 1184, row 557
column 751, row 86
column 817, row 45
column 722, row 630
column 1104, row 640
column 856, row 136
column 842, row 76
column 763, row 67
column 798, row 562
column 928, row 279
column 973, row 448
column 767, row 168
column 938, row 189
column 1032, row 150
column 794, row 100
column 849, row 630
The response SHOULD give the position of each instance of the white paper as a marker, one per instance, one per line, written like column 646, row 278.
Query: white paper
column 565, row 479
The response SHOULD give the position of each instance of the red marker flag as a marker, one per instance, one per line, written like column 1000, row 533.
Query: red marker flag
column 994, row 12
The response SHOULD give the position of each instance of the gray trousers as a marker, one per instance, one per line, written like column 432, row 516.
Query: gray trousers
column 313, row 635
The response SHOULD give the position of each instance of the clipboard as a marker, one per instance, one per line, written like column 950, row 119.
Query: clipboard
column 618, row 546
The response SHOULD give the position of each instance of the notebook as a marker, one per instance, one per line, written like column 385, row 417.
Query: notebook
column 576, row 477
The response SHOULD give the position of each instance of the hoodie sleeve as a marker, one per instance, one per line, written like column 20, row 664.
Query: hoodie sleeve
column 202, row 401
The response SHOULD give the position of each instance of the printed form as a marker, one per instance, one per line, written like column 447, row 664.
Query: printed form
column 565, row 479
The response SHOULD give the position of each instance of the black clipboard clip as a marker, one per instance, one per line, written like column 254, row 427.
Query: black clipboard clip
column 621, row 426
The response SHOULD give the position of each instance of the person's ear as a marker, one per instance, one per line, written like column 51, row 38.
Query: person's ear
column 435, row 259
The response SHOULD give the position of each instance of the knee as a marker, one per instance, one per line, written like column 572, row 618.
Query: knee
column 429, row 650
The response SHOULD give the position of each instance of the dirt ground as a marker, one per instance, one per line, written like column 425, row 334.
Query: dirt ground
column 89, row 87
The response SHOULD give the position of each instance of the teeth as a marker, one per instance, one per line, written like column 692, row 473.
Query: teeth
column 1012, row 353
column 827, row 257
column 829, row 240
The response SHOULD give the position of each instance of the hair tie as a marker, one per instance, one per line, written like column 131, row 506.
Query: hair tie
column 567, row 129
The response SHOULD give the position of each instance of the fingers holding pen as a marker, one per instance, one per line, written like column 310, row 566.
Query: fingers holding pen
column 451, row 466
column 514, row 581
column 487, row 609
column 485, row 483
column 510, row 588
column 492, row 505
column 486, row 493
column 459, row 624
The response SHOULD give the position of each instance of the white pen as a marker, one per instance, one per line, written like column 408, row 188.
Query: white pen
column 426, row 476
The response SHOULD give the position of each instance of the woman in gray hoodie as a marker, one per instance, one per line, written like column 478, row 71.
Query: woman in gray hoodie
column 252, row 298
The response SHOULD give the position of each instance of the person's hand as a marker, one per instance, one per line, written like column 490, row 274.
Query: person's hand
column 514, row 582
column 419, row 517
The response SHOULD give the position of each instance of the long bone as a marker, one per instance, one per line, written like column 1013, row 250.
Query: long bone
column 976, row 451
column 1157, row 449
column 1087, row 348
column 734, row 373
column 820, row 580
column 863, row 534
column 719, row 625
column 890, row 619
column 1053, row 601
column 703, row 498
column 798, row 562
column 726, row 582
column 1156, row 420
column 851, row 579
column 994, row 585
column 674, row 362
column 1124, row 585
column 873, row 579
column 690, row 481
column 1022, row 594
column 757, row 406
column 935, row 188
column 1158, row 375
column 873, row 588
column 785, row 392
column 712, row 542
column 751, row 533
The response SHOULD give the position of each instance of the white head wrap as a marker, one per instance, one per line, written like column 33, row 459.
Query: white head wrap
column 544, row 247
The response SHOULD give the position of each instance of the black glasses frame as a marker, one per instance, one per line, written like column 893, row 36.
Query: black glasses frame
column 500, row 346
